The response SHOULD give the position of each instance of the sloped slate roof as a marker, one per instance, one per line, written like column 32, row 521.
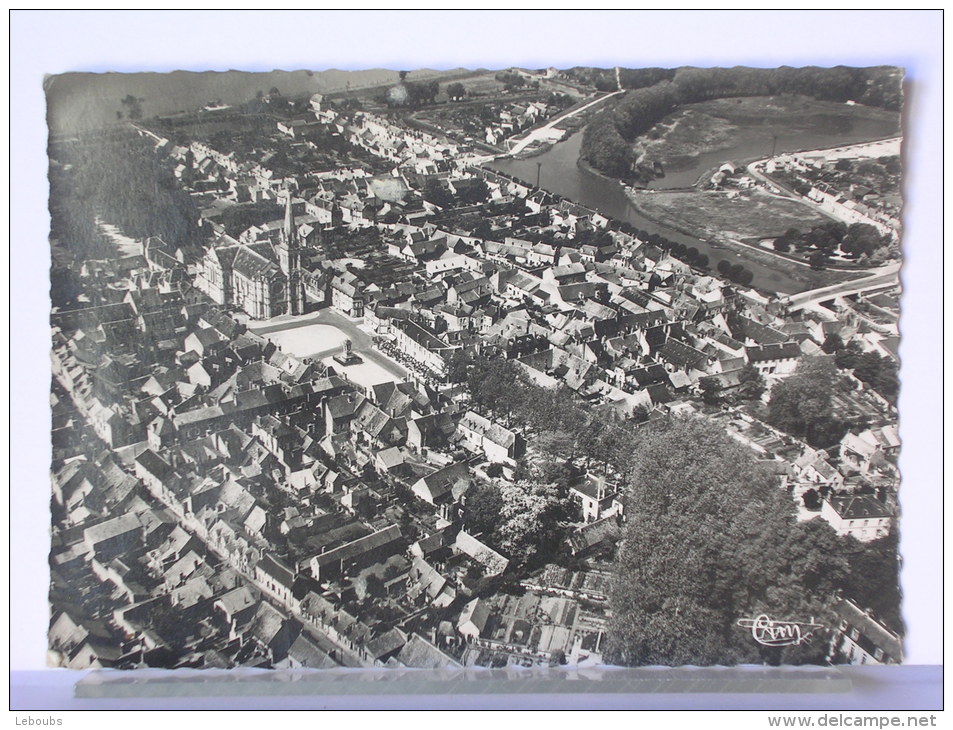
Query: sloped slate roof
column 858, row 507
column 253, row 264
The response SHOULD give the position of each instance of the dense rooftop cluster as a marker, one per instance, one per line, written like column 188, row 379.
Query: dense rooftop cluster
column 220, row 501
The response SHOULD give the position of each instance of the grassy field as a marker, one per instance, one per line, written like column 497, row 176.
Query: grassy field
column 678, row 140
column 712, row 216
column 484, row 84
column 750, row 127
column 751, row 215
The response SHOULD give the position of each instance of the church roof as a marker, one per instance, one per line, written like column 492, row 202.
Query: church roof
column 253, row 265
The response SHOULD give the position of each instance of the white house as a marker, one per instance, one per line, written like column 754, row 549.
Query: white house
column 497, row 443
column 861, row 639
column 473, row 619
column 866, row 450
column 861, row 516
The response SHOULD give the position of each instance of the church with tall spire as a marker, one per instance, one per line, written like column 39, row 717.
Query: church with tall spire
column 262, row 277
column 288, row 250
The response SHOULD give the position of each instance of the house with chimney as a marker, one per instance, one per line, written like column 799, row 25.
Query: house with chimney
column 861, row 516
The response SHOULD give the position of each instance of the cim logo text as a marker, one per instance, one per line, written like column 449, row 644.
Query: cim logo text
column 769, row 632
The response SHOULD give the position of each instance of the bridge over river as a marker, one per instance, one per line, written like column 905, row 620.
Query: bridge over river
column 884, row 278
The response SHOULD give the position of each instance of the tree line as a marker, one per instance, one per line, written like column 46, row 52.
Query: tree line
column 606, row 143
column 572, row 441
column 709, row 539
column 878, row 371
column 735, row 272
column 124, row 182
column 858, row 240
column 805, row 403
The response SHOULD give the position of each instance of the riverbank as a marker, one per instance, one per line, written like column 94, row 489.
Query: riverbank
column 564, row 173
column 575, row 117
column 535, row 151
column 749, row 252
column 706, row 134
column 750, row 214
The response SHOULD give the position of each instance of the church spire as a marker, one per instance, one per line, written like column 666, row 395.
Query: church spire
column 290, row 230
column 289, row 259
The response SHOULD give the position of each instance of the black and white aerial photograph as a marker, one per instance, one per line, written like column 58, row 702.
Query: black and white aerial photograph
column 503, row 366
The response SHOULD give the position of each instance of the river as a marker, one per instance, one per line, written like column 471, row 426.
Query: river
column 560, row 172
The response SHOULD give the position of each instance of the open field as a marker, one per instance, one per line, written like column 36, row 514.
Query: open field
column 681, row 207
column 481, row 84
column 678, row 140
column 751, row 214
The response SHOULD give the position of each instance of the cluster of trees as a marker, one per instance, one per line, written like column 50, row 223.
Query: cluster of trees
column 825, row 237
column 498, row 386
column 123, row 181
column 563, row 429
column 412, row 94
column 689, row 254
column 637, row 78
column 526, row 519
column 860, row 240
column 879, row 372
column 512, row 81
column 751, row 388
column 131, row 106
column 604, row 79
column 874, row 578
column 604, row 147
column 838, row 84
column 863, row 239
column 735, row 272
column 559, row 100
column 434, row 191
column 803, row 404
column 710, row 538
column 591, row 76
column 473, row 194
column 423, row 92
column 238, row 218
column 456, row 91
column 606, row 143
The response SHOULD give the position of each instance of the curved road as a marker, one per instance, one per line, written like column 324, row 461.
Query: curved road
column 881, row 278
